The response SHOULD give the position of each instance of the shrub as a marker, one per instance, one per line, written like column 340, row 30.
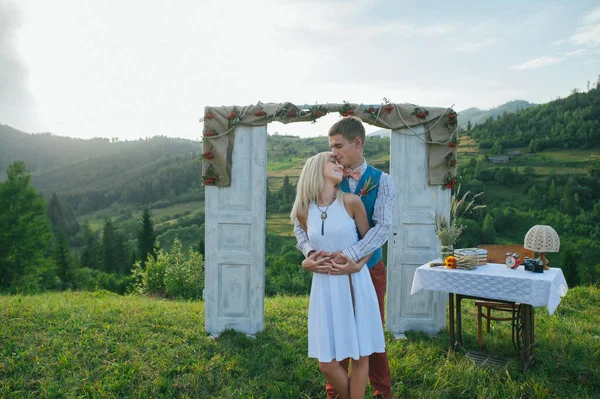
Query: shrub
column 172, row 274
column 86, row 279
column 184, row 277
column 154, row 277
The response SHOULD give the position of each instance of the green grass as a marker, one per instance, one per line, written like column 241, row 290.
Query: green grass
column 571, row 155
column 172, row 210
column 100, row 345
column 280, row 224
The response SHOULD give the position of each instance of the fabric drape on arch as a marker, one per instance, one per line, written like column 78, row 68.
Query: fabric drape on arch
column 440, row 137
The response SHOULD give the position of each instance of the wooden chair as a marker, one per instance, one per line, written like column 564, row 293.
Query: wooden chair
column 497, row 254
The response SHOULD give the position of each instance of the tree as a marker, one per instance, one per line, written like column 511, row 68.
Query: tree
column 25, row 235
column 90, row 254
column 488, row 233
column 55, row 213
column 109, row 251
column 497, row 148
column 146, row 238
column 62, row 258
column 287, row 191
column 62, row 217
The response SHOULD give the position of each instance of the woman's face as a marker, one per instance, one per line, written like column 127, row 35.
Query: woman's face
column 332, row 170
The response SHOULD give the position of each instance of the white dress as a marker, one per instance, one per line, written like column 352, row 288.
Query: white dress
column 335, row 330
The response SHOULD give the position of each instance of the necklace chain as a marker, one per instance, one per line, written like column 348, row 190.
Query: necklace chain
column 324, row 215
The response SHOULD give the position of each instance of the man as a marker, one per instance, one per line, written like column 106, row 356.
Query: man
column 377, row 192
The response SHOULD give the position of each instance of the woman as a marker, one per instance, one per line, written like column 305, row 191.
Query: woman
column 343, row 315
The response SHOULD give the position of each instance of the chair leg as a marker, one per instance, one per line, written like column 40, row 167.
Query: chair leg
column 487, row 321
column 479, row 328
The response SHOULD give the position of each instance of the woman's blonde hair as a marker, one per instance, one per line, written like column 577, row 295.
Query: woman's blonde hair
column 310, row 184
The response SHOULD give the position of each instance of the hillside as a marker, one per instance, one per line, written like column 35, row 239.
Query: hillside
column 102, row 345
column 572, row 122
column 477, row 116
column 42, row 152
column 90, row 175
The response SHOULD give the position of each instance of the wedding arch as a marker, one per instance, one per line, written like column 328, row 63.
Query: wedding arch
column 423, row 144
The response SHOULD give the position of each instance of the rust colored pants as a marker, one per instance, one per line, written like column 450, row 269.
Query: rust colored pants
column 379, row 370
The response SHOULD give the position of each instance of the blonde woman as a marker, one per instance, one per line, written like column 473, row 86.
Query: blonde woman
column 343, row 315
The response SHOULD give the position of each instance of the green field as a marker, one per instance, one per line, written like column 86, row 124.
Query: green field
column 101, row 345
column 544, row 164
column 280, row 224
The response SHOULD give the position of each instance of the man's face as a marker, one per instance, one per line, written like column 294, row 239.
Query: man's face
column 347, row 153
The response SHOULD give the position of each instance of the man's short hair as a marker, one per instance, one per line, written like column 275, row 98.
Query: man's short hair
column 349, row 127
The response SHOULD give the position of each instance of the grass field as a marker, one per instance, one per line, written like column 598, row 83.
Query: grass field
column 101, row 345
column 544, row 164
column 280, row 224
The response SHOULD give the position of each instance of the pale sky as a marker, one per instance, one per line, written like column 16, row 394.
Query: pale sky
column 134, row 69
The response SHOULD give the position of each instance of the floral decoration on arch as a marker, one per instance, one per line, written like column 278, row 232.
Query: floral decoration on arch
column 450, row 181
column 452, row 120
column 420, row 113
column 346, row 109
column 453, row 142
column 372, row 111
column 388, row 107
column 233, row 118
column 451, row 161
column 317, row 112
column 209, row 133
column 210, row 178
column 207, row 154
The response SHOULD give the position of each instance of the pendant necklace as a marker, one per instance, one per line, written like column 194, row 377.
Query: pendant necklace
column 324, row 216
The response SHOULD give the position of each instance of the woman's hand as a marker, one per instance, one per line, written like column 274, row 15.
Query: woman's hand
column 349, row 267
column 318, row 262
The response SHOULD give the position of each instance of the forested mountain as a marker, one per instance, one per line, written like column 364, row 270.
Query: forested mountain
column 45, row 151
column 477, row 116
column 90, row 175
column 572, row 122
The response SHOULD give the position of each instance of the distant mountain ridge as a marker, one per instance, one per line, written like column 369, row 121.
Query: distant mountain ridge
column 92, row 174
column 475, row 115
column 44, row 151
column 572, row 122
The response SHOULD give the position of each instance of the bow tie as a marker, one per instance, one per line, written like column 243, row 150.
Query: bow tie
column 355, row 175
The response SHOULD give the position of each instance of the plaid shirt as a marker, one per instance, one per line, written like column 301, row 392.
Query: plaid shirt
column 382, row 216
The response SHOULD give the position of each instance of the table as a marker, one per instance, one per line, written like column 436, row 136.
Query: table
column 496, row 282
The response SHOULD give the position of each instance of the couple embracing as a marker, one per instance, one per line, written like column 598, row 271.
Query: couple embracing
column 342, row 216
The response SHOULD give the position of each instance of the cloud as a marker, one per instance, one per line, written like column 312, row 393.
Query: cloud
column 589, row 32
column 474, row 46
column 17, row 105
column 577, row 53
column 592, row 17
column 536, row 63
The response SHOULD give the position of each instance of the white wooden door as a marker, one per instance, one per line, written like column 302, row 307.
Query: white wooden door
column 235, row 239
column 412, row 240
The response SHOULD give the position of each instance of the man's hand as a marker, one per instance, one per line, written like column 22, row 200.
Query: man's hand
column 348, row 267
column 338, row 257
column 318, row 262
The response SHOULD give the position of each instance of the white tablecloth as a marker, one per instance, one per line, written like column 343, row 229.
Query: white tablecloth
column 495, row 281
